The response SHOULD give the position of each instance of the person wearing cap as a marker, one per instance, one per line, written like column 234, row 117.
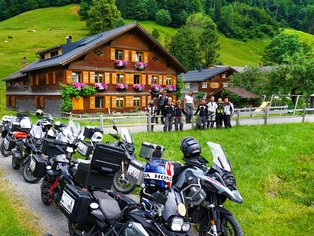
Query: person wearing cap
column 202, row 109
column 212, row 106
column 178, row 110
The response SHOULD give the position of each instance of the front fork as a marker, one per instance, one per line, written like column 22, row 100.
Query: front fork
column 214, row 223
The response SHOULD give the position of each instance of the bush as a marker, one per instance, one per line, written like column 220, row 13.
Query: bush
column 163, row 17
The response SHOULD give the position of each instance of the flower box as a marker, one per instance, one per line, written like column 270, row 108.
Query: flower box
column 171, row 88
column 101, row 86
column 79, row 86
column 140, row 65
column 139, row 87
column 120, row 63
column 122, row 86
column 155, row 88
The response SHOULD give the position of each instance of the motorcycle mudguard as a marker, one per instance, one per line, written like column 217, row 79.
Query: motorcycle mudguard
column 222, row 210
column 26, row 160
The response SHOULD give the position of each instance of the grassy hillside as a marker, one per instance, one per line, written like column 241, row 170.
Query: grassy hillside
column 39, row 29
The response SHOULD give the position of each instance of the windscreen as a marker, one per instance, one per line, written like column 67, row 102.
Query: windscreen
column 37, row 132
column 219, row 155
column 75, row 128
column 125, row 134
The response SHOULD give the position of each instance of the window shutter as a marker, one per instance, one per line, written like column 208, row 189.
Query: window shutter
column 54, row 81
column 133, row 56
column 174, row 80
column 68, row 76
column 113, row 102
column 31, row 80
column 112, row 54
column 145, row 57
column 107, row 78
column 8, row 101
column 149, row 79
column 13, row 101
column 92, row 102
column 47, row 78
column 81, row 103
column 92, row 77
column 126, row 55
column 75, row 104
column 85, row 77
column 41, row 102
column 131, row 78
column 174, row 98
column 107, row 102
column 143, row 79
column 128, row 101
column 114, row 78
column 148, row 99
column 37, row 80
column 143, row 101
column 160, row 80
column 127, row 78
column 164, row 80
column 36, row 102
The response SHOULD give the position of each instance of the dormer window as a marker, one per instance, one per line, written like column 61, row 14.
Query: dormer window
column 119, row 54
column 54, row 53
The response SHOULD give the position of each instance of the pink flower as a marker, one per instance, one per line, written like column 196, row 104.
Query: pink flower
column 139, row 87
column 121, row 63
column 101, row 86
column 140, row 65
column 171, row 88
column 122, row 86
column 78, row 85
column 155, row 88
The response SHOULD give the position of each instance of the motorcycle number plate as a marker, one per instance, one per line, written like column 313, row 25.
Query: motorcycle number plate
column 69, row 149
column 32, row 165
column 67, row 202
column 135, row 173
column 82, row 148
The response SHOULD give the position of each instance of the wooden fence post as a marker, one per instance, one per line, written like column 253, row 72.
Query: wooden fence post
column 266, row 116
column 149, row 122
column 101, row 121
column 238, row 118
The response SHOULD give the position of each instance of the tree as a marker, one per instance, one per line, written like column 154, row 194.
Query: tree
column 84, row 8
column 102, row 16
column 281, row 47
column 180, row 85
column 155, row 33
column 163, row 17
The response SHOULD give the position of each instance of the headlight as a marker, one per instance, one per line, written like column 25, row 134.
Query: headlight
column 176, row 224
column 186, row 227
column 181, row 209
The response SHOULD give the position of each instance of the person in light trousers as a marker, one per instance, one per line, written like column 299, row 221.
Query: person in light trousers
column 189, row 105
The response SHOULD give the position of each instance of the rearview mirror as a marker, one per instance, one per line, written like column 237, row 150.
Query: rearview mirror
column 115, row 128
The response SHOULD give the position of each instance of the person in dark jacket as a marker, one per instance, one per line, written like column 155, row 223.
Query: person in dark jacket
column 168, row 114
column 228, row 112
column 202, row 109
column 151, row 110
column 161, row 103
column 178, row 110
column 219, row 113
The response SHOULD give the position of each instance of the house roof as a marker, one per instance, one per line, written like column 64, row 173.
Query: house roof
column 74, row 50
column 241, row 92
column 15, row 75
column 204, row 74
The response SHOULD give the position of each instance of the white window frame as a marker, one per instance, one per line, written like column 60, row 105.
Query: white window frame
column 119, row 76
column 99, row 77
column 204, row 84
column 187, row 85
column 101, row 102
column 225, row 84
column 137, row 101
column 120, row 102
column 168, row 80
column 139, row 55
column 76, row 77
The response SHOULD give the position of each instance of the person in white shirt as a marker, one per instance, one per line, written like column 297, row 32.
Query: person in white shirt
column 228, row 112
column 212, row 106
column 189, row 105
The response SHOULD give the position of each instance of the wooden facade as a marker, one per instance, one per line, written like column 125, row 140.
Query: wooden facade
column 97, row 65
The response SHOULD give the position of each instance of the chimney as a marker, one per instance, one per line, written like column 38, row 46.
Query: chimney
column 69, row 39
column 200, row 68
column 23, row 62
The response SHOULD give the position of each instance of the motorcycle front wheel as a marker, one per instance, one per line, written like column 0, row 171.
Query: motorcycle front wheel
column 230, row 226
column 45, row 192
column 83, row 229
column 122, row 185
column 4, row 151
column 28, row 175
column 15, row 163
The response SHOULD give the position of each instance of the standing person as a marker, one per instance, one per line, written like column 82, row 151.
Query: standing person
column 202, row 117
column 168, row 114
column 162, row 101
column 228, row 112
column 151, row 110
column 178, row 110
column 212, row 106
column 189, row 105
column 219, row 113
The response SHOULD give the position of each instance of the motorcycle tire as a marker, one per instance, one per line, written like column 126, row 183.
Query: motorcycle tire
column 76, row 229
column 15, row 163
column 4, row 151
column 122, row 186
column 230, row 226
column 45, row 192
column 27, row 174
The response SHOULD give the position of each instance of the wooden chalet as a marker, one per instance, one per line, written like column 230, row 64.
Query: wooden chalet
column 127, row 55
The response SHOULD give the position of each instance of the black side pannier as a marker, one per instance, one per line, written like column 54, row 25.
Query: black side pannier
column 89, row 131
column 37, row 166
column 52, row 147
column 74, row 203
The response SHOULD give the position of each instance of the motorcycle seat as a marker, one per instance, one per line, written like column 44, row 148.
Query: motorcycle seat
column 108, row 205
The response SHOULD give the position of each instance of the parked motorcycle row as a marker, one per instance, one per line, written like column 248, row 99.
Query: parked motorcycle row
column 173, row 196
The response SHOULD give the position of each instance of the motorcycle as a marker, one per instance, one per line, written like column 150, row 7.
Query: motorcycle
column 9, row 124
column 206, row 190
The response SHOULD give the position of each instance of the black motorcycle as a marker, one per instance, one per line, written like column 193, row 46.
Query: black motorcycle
column 206, row 190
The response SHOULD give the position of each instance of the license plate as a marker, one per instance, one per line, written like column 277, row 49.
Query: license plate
column 32, row 165
column 135, row 173
column 67, row 202
column 82, row 148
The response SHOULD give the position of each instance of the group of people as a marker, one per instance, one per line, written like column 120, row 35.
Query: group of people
column 207, row 113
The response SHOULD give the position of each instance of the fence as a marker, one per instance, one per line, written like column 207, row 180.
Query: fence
column 141, row 120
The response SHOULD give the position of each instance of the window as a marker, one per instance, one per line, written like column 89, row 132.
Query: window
column 187, row 85
column 98, row 77
column 76, row 77
column 154, row 79
column 39, row 102
column 54, row 53
column 139, row 56
column 25, row 85
column 120, row 78
column 225, row 85
column 168, row 80
column 223, row 75
column 120, row 102
column 137, row 101
column 99, row 102
column 119, row 55
column 137, row 79
column 42, row 56
column 204, row 84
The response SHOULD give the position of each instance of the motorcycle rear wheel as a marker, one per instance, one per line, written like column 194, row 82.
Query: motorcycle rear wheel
column 27, row 174
column 4, row 151
column 76, row 229
column 122, row 186
column 45, row 192
column 230, row 226
column 15, row 163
